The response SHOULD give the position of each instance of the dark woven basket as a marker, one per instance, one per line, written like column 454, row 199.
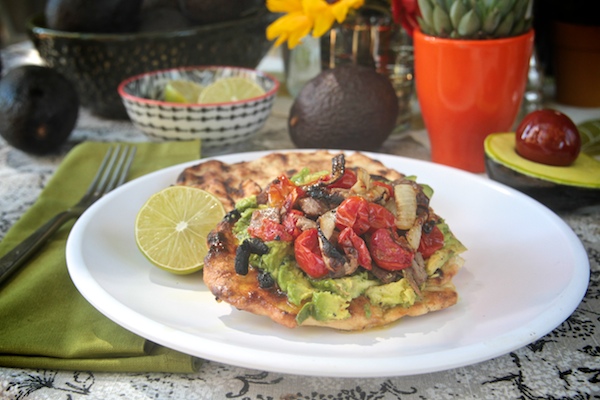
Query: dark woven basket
column 97, row 63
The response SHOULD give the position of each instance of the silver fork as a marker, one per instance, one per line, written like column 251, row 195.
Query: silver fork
column 112, row 173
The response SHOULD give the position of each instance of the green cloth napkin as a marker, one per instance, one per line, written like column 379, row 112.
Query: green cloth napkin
column 44, row 321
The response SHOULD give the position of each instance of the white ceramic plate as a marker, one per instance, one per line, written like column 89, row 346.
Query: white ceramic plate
column 525, row 273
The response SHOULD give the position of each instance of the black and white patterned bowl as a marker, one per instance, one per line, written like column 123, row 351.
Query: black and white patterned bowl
column 97, row 62
column 217, row 125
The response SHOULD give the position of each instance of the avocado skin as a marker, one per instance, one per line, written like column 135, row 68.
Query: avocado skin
column 38, row 109
column 556, row 196
column 350, row 107
column 105, row 16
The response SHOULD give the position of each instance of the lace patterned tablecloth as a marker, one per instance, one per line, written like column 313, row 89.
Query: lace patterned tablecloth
column 565, row 364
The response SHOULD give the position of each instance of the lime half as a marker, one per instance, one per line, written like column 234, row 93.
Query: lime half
column 182, row 91
column 234, row 88
column 172, row 226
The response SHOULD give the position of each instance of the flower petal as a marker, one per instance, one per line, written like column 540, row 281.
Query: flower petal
column 291, row 27
column 341, row 8
column 296, row 37
column 323, row 23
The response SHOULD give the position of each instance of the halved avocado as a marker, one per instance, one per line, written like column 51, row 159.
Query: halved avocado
column 559, row 188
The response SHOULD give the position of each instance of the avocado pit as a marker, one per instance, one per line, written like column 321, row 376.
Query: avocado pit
column 549, row 137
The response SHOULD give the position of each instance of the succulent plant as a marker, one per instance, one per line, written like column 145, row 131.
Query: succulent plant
column 475, row 19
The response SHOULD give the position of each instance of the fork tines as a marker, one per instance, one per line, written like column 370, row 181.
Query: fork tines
column 113, row 170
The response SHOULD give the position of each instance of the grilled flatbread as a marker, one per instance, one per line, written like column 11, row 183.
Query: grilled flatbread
column 233, row 182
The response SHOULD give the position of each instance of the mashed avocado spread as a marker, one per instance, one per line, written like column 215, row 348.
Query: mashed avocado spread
column 329, row 298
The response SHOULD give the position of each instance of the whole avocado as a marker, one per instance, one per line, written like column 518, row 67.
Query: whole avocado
column 38, row 109
column 348, row 107
column 106, row 16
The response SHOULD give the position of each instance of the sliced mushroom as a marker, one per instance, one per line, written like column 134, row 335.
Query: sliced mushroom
column 333, row 197
column 313, row 207
column 336, row 262
column 338, row 167
column 384, row 275
column 416, row 274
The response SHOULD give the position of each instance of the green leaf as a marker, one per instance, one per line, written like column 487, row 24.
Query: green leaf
column 426, row 29
column 469, row 25
column 491, row 21
column 457, row 11
column 505, row 6
column 441, row 22
column 522, row 10
column 449, row 4
column 488, row 3
column 590, row 137
column 426, row 9
column 480, row 9
column 518, row 28
column 506, row 25
column 440, row 3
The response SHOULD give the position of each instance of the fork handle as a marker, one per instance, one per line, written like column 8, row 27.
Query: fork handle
column 15, row 258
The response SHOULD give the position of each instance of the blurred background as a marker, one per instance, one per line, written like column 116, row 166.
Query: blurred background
column 14, row 14
column 567, row 47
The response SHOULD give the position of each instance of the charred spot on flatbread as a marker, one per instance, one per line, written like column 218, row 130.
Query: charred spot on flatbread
column 242, row 291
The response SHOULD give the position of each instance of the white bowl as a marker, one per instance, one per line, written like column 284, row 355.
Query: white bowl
column 216, row 125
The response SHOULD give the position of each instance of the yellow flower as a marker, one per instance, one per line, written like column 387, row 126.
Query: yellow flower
column 302, row 16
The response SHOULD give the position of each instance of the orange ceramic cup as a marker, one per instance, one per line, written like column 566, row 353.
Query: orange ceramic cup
column 468, row 89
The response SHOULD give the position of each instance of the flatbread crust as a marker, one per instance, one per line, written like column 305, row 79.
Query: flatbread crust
column 232, row 182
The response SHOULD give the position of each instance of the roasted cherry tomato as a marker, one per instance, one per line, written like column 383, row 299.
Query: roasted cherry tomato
column 346, row 181
column 548, row 137
column 431, row 242
column 353, row 213
column 352, row 243
column 269, row 230
column 308, row 254
column 361, row 215
column 283, row 193
column 289, row 222
column 380, row 217
column 387, row 252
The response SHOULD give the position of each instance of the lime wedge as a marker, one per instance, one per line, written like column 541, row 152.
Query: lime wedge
column 230, row 89
column 172, row 226
column 182, row 91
